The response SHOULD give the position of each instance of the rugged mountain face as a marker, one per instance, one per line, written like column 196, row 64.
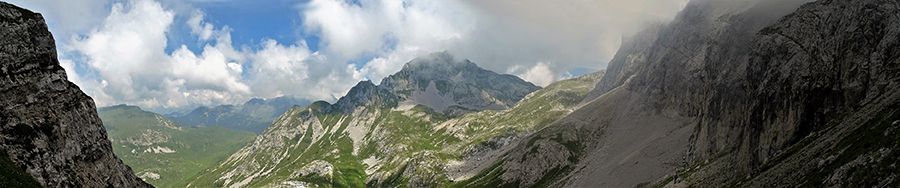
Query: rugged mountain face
column 822, row 100
column 254, row 115
column 737, row 93
column 50, row 129
column 380, row 136
column 455, row 87
column 632, row 55
column 161, row 151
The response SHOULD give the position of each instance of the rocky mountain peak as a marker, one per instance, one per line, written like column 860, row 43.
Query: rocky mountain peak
column 50, row 129
column 442, row 83
column 364, row 93
column 454, row 86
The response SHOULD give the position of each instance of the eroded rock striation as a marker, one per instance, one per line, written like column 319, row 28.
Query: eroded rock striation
column 49, row 127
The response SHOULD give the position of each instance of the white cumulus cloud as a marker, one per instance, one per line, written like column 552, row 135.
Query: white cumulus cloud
column 123, row 56
column 540, row 74
column 199, row 27
column 127, row 51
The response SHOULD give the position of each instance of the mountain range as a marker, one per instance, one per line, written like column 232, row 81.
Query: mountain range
column 395, row 133
column 728, row 94
column 254, row 115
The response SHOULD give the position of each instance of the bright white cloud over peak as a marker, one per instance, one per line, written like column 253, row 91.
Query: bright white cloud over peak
column 540, row 75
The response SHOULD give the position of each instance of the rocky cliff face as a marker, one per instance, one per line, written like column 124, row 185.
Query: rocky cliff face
column 817, row 80
column 50, row 128
column 632, row 55
column 748, row 93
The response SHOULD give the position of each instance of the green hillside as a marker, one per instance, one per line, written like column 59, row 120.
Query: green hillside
column 381, row 143
column 161, row 151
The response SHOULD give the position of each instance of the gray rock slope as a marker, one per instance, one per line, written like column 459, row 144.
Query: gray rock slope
column 758, row 93
column 50, row 129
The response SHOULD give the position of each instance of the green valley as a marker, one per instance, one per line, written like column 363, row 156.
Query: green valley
column 161, row 151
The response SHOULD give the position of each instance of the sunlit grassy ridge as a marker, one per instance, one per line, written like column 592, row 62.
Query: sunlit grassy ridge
column 385, row 145
column 161, row 151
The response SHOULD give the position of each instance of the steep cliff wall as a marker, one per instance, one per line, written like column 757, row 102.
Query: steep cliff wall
column 816, row 81
column 749, row 80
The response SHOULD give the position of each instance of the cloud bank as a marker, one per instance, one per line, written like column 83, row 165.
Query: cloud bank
column 125, row 57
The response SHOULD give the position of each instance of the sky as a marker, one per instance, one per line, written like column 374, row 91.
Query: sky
column 173, row 55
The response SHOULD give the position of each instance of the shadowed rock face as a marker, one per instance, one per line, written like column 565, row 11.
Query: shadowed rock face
column 49, row 127
column 749, row 80
column 826, row 60
column 635, row 126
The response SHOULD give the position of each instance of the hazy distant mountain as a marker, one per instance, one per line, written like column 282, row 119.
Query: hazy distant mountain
column 254, row 115
column 161, row 151
column 176, row 114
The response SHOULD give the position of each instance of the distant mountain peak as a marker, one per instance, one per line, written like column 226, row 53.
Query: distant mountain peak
column 441, row 82
column 120, row 106
column 365, row 92
column 254, row 115
column 255, row 101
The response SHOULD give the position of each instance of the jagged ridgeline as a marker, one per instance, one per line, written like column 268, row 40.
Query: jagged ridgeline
column 254, row 115
column 51, row 135
column 161, row 151
column 401, row 132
